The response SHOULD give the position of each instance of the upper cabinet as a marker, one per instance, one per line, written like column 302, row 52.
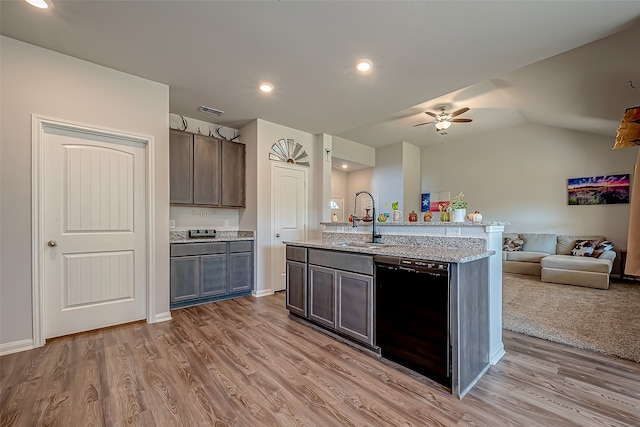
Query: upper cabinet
column 206, row 171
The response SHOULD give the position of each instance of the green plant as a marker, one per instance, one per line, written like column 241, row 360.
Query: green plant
column 394, row 206
column 458, row 203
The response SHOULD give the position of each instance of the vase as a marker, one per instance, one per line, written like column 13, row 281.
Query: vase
column 444, row 216
column 397, row 216
column 458, row 215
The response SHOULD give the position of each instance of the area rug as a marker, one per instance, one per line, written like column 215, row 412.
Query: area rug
column 604, row 321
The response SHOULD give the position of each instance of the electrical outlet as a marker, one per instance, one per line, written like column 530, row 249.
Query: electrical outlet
column 172, row 223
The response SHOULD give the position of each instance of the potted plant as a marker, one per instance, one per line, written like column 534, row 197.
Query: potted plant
column 458, row 208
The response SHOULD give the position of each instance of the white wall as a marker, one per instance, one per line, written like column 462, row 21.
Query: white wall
column 353, row 151
column 387, row 181
column 39, row 81
column 259, row 136
column 520, row 175
column 411, row 178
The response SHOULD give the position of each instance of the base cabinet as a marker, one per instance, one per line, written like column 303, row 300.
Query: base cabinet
column 321, row 291
column 205, row 272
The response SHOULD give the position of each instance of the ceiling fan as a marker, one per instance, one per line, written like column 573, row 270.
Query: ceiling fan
column 443, row 120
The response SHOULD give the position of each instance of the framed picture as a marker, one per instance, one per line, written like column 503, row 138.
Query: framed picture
column 598, row 190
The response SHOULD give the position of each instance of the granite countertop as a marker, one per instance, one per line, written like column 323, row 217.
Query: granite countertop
column 419, row 224
column 221, row 236
column 433, row 253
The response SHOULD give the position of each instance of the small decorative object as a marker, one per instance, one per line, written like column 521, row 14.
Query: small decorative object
column 413, row 217
column 458, row 208
column 288, row 151
column 444, row 212
column 382, row 218
column 350, row 218
column 598, row 190
column 334, row 217
column 474, row 217
column 427, row 217
column 367, row 217
column 397, row 214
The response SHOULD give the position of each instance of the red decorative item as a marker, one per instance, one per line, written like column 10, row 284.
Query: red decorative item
column 413, row 217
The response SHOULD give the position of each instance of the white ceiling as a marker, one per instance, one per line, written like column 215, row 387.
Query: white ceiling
column 457, row 53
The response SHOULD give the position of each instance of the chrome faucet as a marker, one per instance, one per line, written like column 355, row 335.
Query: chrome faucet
column 376, row 236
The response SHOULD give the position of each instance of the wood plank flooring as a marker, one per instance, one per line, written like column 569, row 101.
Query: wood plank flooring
column 244, row 362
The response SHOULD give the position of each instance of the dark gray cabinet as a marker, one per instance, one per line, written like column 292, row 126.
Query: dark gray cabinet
column 354, row 313
column 205, row 171
column 204, row 272
column 332, row 289
column 322, row 295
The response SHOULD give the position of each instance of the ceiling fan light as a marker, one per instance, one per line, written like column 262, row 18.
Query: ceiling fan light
column 40, row 4
column 442, row 125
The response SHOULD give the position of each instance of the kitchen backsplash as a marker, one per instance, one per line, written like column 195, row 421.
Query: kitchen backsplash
column 190, row 217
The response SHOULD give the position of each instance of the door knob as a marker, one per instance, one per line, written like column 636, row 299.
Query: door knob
column 277, row 234
column 52, row 243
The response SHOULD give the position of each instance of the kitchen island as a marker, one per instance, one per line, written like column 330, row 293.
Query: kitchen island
column 434, row 317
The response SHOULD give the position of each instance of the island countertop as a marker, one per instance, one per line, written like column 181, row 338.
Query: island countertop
column 425, row 252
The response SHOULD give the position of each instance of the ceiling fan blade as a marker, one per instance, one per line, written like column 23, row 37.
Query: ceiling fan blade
column 425, row 123
column 434, row 115
column 460, row 111
column 460, row 120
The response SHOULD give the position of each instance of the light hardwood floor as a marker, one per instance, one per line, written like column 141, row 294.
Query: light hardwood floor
column 244, row 362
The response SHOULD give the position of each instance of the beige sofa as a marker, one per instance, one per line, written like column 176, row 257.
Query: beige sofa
column 549, row 256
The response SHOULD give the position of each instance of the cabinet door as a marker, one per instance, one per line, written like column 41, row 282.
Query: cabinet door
column 206, row 170
column 233, row 174
column 297, row 288
column 355, row 306
column 185, row 278
column 322, row 295
column 214, row 279
column 180, row 167
column 241, row 271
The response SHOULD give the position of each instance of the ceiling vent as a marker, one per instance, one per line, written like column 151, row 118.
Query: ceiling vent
column 210, row 110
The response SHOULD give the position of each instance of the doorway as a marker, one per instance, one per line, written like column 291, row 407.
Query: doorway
column 289, row 216
column 91, row 218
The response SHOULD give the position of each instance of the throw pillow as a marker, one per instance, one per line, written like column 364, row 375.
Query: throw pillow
column 512, row 245
column 601, row 248
column 584, row 247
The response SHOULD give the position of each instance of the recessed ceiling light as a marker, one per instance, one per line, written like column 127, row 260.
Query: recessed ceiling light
column 364, row 66
column 345, row 166
column 41, row 4
column 266, row 87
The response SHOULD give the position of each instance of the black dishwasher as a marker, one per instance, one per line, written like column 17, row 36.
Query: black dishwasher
column 412, row 315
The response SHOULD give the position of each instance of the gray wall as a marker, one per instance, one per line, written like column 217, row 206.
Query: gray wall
column 520, row 175
column 43, row 82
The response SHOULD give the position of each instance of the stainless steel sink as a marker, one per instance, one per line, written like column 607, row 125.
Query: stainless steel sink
column 359, row 245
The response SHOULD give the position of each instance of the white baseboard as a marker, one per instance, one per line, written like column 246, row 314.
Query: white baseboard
column 496, row 354
column 162, row 317
column 263, row 293
column 16, row 346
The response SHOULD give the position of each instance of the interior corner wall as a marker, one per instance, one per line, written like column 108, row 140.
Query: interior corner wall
column 353, row 151
column 411, row 178
column 519, row 175
column 39, row 81
column 266, row 134
column 387, row 180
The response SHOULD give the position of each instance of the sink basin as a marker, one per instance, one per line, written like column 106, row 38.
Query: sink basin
column 359, row 245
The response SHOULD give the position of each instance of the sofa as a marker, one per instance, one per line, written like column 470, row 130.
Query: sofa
column 570, row 260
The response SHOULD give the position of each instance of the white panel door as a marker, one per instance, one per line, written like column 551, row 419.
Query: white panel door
column 94, row 230
column 289, row 216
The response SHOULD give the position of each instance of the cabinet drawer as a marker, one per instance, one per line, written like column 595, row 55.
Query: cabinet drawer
column 295, row 253
column 243, row 246
column 362, row 264
column 186, row 249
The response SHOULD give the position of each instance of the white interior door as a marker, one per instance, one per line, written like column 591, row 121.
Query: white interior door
column 94, row 229
column 289, row 216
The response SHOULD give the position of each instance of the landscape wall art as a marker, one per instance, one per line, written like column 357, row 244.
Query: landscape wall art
column 598, row 190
